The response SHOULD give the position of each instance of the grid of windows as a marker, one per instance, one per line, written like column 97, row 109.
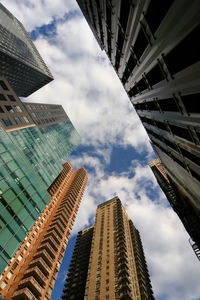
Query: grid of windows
column 22, row 199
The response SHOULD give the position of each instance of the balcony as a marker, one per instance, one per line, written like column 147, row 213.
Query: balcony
column 60, row 225
column 35, row 271
column 60, row 218
column 125, row 293
column 47, row 258
column 24, row 294
column 49, row 249
column 31, row 284
column 61, row 214
column 41, row 265
column 54, row 235
column 51, row 241
column 56, row 229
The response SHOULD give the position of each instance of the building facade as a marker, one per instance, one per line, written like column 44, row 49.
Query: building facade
column 116, row 268
column 152, row 45
column 33, row 269
column 21, row 63
column 77, row 273
column 30, row 159
column 180, row 204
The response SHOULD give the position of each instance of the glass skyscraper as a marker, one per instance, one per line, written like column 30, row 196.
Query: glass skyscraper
column 21, row 63
column 35, row 139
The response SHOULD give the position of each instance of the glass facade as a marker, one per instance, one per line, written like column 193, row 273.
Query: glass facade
column 38, row 153
column 22, row 197
column 20, row 60
column 62, row 137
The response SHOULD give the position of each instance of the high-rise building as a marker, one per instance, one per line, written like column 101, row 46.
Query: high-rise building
column 30, row 159
column 180, row 204
column 77, row 273
column 153, row 47
column 21, row 63
column 33, row 269
column 116, row 268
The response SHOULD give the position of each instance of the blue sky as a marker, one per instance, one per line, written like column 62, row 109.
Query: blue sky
column 114, row 148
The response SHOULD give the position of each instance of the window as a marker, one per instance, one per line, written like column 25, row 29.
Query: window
column 1, row 111
column 168, row 104
column 18, row 108
column 52, row 281
column 98, row 278
column 17, row 120
column 175, row 61
column 190, row 102
column 155, row 75
column 49, row 290
column 2, row 98
column 154, row 19
column 9, row 275
column 11, row 98
column 3, row 285
column 14, row 266
column 140, row 44
column 3, row 85
column 9, row 108
column 19, row 258
column 25, row 119
column 7, row 121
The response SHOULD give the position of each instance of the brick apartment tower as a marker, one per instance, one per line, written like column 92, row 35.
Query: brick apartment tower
column 153, row 48
column 116, row 267
column 32, row 272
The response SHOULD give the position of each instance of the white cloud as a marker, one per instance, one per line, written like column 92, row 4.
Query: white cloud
column 35, row 13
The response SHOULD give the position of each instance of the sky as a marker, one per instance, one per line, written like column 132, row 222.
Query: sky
column 115, row 148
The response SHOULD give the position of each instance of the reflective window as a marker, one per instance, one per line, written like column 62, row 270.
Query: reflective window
column 9, row 108
column 17, row 120
column 7, row 121
column 18, row 108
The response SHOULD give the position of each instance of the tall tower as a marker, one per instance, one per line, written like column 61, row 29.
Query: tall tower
column 117, row 268
column 77, row 273
column 152, row 46
column 32, row 272
column 21, row 63
column 180, row 204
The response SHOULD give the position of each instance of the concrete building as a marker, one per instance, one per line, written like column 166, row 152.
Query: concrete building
column 153, row 47
column 116, row 268
column 31, row 155
column 180, row 204
column 21, row 63
column 33, row 269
